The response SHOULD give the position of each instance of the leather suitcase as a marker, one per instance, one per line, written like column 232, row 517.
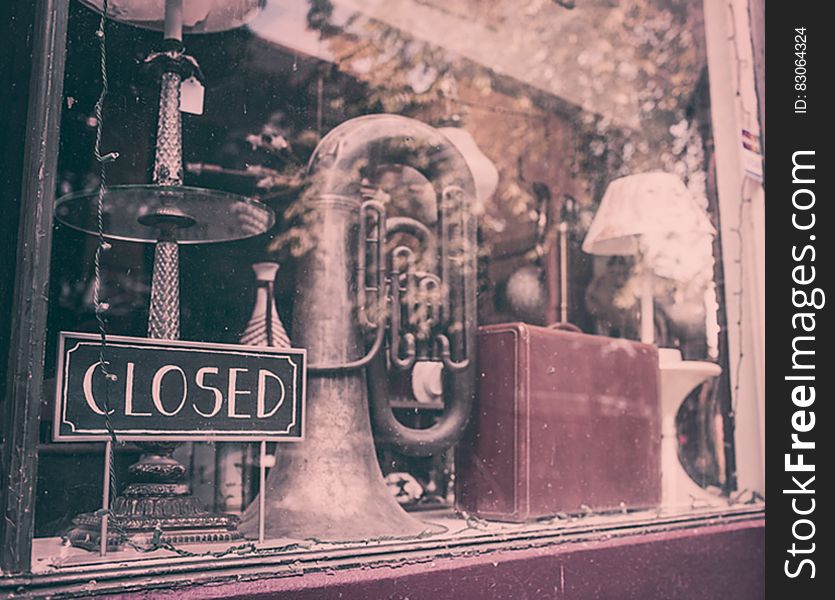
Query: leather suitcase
column 564, row 422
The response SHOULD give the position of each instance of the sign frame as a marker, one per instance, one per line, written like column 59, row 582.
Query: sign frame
column 145, row 435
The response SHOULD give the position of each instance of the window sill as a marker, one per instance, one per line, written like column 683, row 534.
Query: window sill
column 59, row 569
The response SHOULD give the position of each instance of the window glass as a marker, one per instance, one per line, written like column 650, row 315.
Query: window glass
column 541, row 163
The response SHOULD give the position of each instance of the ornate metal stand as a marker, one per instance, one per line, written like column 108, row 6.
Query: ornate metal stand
column 159, row 503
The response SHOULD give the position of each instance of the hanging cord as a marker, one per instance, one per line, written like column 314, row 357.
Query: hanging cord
column 99, row 306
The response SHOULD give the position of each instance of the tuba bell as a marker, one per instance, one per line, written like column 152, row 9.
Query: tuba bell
column 375, row 293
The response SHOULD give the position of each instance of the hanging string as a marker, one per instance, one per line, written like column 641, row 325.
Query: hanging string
column 100, row 307
column 740, row 295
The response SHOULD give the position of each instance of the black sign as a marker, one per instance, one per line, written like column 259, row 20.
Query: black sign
column 177, row 391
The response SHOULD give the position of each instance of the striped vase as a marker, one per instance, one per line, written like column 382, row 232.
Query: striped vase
column 265, row 327
column 236, row 462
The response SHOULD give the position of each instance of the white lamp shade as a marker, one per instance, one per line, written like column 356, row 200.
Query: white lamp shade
column 484, row 171
column 652, row 205
column 199, row 16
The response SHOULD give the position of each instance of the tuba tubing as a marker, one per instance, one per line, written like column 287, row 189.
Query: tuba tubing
column 416, row 442
column 336, row 168
column 459, row 385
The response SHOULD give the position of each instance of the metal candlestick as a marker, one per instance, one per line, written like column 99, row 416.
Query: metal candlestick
column 167, row 214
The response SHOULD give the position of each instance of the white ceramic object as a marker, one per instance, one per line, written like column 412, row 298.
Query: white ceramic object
column 427, row 381
column 677, row 378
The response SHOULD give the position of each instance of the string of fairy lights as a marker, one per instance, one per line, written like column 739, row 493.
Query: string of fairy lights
column 100, row 307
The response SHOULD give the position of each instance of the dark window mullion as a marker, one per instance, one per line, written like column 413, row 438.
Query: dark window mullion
column 24, row 377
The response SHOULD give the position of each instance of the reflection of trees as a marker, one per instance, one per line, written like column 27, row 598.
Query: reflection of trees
column 646, row 52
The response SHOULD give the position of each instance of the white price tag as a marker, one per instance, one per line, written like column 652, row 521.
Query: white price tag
column 191, row 96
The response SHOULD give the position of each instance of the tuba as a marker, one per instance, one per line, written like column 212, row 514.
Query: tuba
column 375, row 293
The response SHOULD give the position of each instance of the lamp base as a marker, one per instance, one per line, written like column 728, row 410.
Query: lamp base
column 157, row 508
column 146, row 513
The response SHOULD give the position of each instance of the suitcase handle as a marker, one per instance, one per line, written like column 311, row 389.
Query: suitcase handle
column 565, row 326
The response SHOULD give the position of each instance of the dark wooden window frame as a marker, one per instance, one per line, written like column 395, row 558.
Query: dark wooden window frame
column 36, row 34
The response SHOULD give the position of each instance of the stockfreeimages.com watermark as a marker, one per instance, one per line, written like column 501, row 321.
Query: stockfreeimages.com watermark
column 807, row 300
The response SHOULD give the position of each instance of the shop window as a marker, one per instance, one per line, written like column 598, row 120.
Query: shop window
column 381, row 179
